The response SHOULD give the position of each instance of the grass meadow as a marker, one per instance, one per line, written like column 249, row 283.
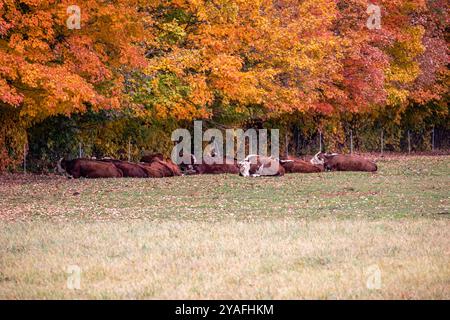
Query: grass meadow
column 317, row 236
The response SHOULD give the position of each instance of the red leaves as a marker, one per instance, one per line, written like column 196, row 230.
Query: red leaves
column 323, row 108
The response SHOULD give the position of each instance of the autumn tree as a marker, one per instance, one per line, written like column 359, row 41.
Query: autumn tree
column 240, row 55
column 49, row 68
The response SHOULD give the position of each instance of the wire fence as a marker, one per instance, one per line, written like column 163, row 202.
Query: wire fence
column 434, row 141
column 407, row 142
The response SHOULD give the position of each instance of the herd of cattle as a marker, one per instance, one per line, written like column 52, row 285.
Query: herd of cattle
column 157, row 166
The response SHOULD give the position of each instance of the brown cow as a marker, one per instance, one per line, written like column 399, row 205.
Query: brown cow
column 210, row 165
column 214, row 166
column 153, row 170
column 296, row 165
column 174, row 169
column 157, row 168
column 129, row 169
column 151, row 157
column 256, row 166
column 342, row 162
column 88, row 168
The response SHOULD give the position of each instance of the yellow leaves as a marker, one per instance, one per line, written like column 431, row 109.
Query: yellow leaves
column 227, row 76
column 404, row 67
column 404, row 74
column 240, row 47
column 396, row 96
column 270, row 40
column 171, row 32
column 177, row 61
column 413, row 42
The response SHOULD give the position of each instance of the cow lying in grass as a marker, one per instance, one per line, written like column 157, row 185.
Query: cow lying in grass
column 267, row 166
column 215, row 165
column 257, row 166
column 296, row 165
column 158, row 167
column 341, row 162
column 88, row 168
column 129, row 169
column 111, row 168
column 210, row 165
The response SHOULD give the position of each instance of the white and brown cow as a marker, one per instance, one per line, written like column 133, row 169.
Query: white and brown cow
column 257, row 166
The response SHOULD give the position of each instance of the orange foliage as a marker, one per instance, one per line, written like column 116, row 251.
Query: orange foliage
column 48, row 69
column 283, row 55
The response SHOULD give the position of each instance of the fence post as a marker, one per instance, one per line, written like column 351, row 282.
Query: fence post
column 79, row 150
column 382, row 142
column 409, row 142
column 287, row 144
column 320, row 141
column 129, row 150
column 351, row 142
column 25, row 158
column 432, row 140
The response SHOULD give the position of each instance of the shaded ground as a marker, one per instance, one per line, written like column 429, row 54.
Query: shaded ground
column 300, row 236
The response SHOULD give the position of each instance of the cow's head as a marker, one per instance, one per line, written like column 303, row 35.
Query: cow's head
column 60, row 166
column 187, row 163
column 245, row 165
column 321, row 158
column 244, row 168
column 318, row 159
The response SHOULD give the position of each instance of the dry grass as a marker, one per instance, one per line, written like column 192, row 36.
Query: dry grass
column 300, row 236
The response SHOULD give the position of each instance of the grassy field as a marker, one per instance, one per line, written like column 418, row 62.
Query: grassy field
column 325, row 236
